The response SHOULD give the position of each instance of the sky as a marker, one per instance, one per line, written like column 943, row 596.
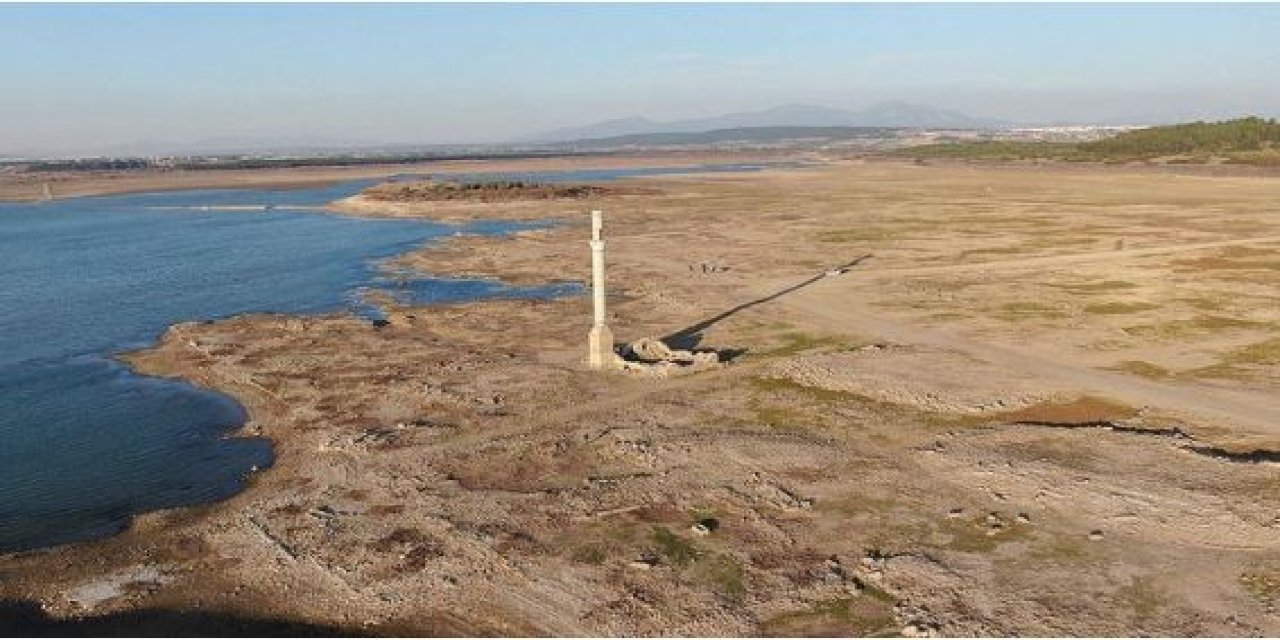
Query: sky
column 116, row 78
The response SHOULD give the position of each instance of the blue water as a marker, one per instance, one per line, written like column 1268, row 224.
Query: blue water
column 85, row 444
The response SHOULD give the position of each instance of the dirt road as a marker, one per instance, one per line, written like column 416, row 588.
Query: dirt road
column 834, row 303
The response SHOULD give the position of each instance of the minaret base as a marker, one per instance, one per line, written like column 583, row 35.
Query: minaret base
column 600, row 354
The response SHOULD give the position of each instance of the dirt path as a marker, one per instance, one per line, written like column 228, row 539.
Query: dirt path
column 833, row 304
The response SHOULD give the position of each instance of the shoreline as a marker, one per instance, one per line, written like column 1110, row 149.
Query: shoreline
column 457, row 471
column 355, row 206
column 26, row 188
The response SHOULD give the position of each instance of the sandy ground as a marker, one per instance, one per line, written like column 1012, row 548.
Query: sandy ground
column 26, row 187
column 1038, row 404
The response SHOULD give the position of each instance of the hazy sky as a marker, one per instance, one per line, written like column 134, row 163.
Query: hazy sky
column 98, row 77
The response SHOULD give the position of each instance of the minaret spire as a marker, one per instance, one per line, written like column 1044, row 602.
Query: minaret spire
column 600, row 354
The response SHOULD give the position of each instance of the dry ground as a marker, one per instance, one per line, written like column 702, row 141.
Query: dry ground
column 24, row 187
column 1044, row 405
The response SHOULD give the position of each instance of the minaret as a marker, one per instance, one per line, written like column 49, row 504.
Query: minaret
column 600, row 353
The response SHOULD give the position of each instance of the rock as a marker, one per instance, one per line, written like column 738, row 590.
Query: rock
column 700, row 529
column 1024, row 518
column 955, row 513
column 644, row 562
column 1096, row 534
column 655, row 353
column 711, row 524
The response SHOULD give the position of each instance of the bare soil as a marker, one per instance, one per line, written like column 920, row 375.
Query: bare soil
column 948, row 437
column 29, row 186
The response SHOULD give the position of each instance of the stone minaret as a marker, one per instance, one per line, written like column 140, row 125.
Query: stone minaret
column 600, row 353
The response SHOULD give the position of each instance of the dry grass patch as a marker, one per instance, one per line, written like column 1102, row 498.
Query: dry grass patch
column 1013, row 311
column 1202, row 323
column 1102, row 286
column 1143, row 369
column 1262, row 585
column 1083, row 410
column 1266, row 352
column 1119, row 308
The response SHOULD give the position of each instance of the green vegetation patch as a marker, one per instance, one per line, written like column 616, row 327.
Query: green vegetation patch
column 725, row 572
column 496, row 191
column 1254, row 141
column 787, row 385
column 869, row 613
column 990, row 150
column 787, row 416
column 720, row 570
column 1143, row 596
column 798, row 341
column 1242, row 135
column 974, row 535
column 673, row 548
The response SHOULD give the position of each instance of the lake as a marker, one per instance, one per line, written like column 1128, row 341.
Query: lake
column 85, row 444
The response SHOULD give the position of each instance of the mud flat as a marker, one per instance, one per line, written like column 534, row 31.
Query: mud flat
column 949, row 438
column 25, row 187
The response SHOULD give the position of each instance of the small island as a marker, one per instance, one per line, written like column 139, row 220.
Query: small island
column 497, row 191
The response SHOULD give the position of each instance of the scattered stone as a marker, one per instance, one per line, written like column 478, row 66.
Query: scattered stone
column 711, row 524
column 644, row 562
column 93, row 593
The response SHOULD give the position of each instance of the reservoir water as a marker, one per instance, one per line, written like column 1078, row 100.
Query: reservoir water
column 85, row 444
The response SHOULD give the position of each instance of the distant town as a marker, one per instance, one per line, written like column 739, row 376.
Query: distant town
column 728, row 139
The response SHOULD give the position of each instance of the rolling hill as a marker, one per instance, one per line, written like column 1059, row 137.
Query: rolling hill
column 886, row 114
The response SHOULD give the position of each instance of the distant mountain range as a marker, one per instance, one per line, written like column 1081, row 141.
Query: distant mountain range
column 885, row 114
column 736, row 135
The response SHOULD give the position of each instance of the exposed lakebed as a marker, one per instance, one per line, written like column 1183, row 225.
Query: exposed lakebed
column 85, row 444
